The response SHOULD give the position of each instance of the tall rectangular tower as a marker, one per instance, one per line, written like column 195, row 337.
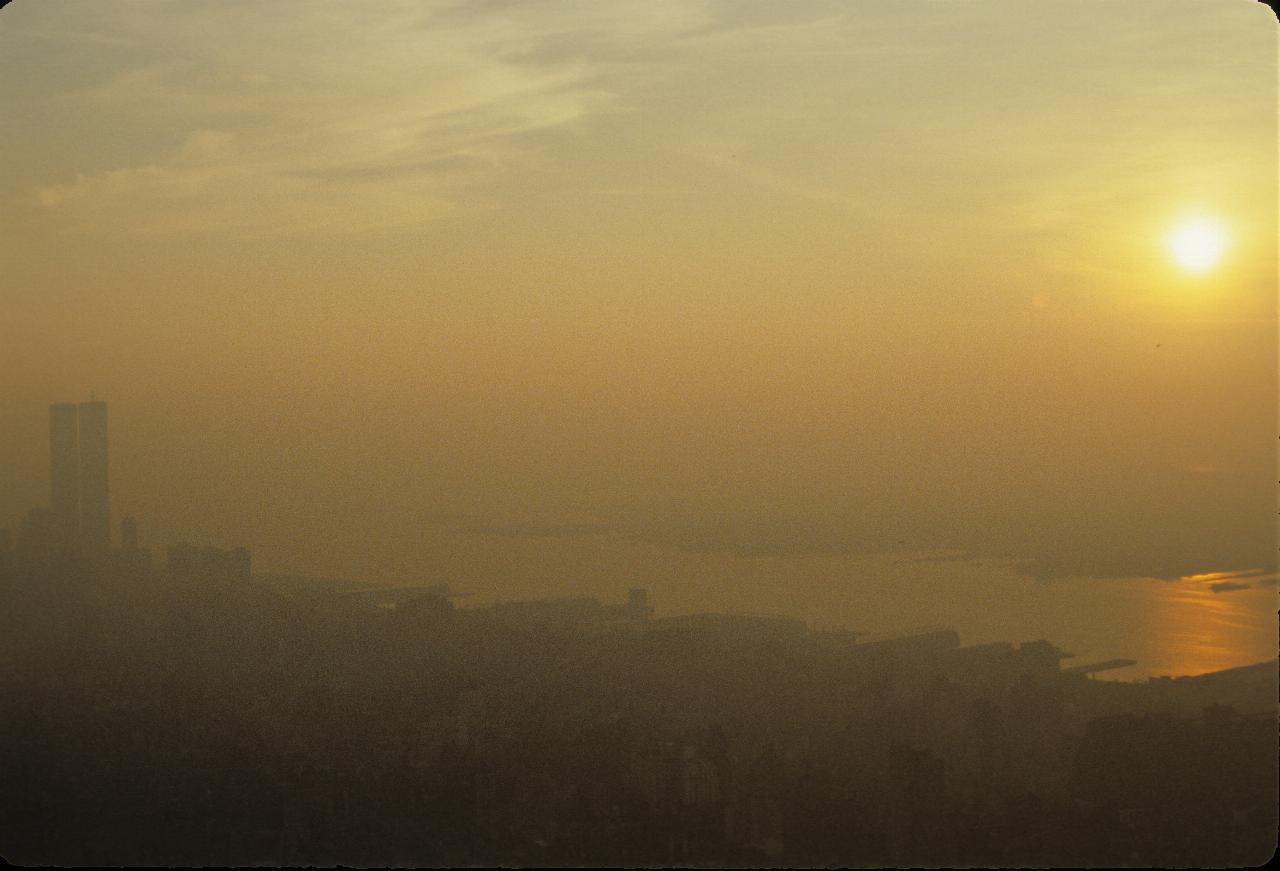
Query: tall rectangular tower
column 95, row 515
column 64, row 473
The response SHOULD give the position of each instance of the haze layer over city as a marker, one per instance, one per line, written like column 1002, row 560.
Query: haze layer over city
column 885, row 319
column 753, row 306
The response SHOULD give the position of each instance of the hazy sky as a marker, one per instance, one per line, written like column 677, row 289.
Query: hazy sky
column 533, row 293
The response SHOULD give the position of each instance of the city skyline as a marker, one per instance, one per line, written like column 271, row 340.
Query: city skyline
column 738, row 282
column 713, row 433
column 1239, row 635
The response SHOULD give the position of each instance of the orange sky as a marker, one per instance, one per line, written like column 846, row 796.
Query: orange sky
column 368, row 286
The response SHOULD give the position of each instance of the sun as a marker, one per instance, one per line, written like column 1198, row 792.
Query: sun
column 1197, row 244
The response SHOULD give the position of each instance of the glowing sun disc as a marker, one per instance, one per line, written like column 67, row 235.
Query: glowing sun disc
column 1197, row 244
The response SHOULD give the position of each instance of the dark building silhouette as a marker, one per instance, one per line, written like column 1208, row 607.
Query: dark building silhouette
column 64, row 472
column 95, row 514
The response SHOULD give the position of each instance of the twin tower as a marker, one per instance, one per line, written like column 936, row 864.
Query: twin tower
column 78, row 474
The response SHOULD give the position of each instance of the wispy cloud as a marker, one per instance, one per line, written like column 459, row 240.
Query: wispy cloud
column 294, row 120
column 1205, row 577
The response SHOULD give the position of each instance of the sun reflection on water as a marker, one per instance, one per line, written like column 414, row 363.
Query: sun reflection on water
column 1211, row 621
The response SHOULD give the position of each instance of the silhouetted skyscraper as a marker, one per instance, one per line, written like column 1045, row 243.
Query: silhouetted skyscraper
column 95, row 514
column 64, row 472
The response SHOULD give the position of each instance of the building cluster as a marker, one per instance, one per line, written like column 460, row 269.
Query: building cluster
column 211, row 721
column 682, row 744
column 75, row 527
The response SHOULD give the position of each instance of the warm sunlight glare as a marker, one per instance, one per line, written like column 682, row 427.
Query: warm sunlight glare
column 1197, row 244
